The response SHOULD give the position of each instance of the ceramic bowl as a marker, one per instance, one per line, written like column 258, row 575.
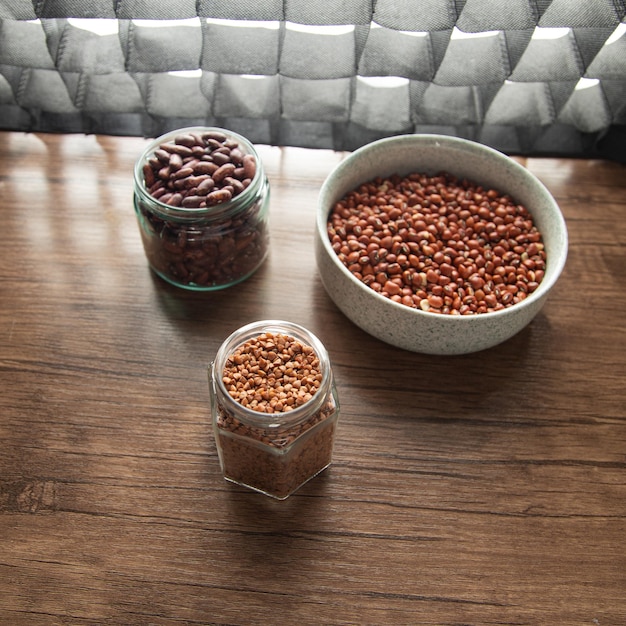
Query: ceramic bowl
column 414, row 329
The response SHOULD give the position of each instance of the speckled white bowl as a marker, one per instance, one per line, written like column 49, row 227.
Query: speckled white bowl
column 414, row 329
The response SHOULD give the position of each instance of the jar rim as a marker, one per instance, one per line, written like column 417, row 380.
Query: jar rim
column 280, row 419
column 216, row 210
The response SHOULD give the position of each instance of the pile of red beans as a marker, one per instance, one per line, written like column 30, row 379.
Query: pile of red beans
column 439, row 244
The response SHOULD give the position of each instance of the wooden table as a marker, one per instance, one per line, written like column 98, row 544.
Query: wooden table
column 480, row 489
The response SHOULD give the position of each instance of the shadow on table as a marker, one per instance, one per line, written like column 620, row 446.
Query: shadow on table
column 238, row 302
column 383, row 380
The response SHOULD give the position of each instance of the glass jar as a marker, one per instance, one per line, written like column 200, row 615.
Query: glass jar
column 273, row 452
column 201, row 198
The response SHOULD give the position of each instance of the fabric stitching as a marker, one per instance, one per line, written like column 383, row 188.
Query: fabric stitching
column 453, row 14
column 578, row 59
column 81, row 90
column 504, row 53
column 22, row 84
column 130, row 43
column 534, row 10
column 63, row 42
column 549, row 100
column 149, row 92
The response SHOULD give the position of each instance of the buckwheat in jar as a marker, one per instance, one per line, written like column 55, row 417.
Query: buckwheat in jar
column 201, row 200
column 274, row 407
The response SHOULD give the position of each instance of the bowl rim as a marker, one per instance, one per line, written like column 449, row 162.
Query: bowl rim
column 462, row 146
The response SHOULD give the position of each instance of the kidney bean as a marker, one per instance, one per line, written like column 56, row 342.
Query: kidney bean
column 458, row 240
column 225, row 170
column 184, row 172
column 249, row 166
column 219, row 158
column 204, row 167
column 159, row 192
column 205, row 186
column 237, row 185
column 192, row 202
column 175, row 199
column 218, row 196
column 162, row 155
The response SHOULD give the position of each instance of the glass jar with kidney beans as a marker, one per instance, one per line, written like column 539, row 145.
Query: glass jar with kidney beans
column 274, row 405
column 201, row 199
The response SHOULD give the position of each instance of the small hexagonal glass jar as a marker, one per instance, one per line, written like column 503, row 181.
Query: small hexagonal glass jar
column 274, row 407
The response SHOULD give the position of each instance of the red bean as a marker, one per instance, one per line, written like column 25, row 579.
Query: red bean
column 391, row 288
column 455, row 247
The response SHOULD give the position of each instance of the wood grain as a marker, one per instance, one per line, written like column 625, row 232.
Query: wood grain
column 479, row 489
